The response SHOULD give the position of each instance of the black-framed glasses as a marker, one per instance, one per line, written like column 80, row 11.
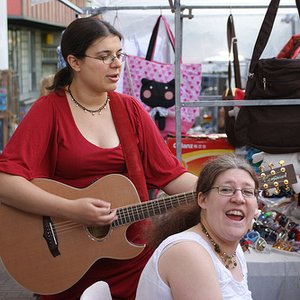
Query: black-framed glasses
column 108, row 59
column 230, row 191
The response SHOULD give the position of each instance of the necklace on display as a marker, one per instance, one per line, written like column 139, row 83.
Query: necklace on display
column 93, row 112
column 228, row 260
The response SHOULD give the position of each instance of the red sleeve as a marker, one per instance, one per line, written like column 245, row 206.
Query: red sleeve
column 30, row 151
column 160, row 165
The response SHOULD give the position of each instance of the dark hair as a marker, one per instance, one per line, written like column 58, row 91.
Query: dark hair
column 219, row 165
column 187, row 216
column 76, row 39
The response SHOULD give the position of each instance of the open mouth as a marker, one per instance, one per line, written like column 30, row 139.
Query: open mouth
column 235, row 215
column 114, row 76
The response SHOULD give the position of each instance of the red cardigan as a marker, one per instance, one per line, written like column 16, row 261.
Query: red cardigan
column 48, row 144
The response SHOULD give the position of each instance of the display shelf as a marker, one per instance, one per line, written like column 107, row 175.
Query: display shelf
column 217, row 101
column 179, row 14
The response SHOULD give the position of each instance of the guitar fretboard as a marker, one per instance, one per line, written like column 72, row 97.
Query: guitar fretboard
column 141, row 211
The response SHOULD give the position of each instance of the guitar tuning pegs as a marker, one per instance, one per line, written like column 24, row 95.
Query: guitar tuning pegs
column 271, row 165
column 262, row 174
column 282, row 168
column 286, row 185
column 281, row 162
column 277, row 190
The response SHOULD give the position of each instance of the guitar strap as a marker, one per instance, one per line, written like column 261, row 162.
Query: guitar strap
column 232, row 47
column 129, row 144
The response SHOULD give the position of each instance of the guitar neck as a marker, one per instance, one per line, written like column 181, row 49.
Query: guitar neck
column 138, row 212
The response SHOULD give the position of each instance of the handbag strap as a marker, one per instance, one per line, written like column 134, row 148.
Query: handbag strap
column 129, row 144
column 232, row 46
column 153, row 38
column 265, row 31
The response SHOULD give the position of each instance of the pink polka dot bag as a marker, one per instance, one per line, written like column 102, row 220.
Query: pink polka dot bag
column 138, row 69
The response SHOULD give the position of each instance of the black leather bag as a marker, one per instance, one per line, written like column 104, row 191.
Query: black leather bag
column 273, row 129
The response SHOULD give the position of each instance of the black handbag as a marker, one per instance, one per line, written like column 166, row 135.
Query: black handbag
column 273, row 129
column 230, row 92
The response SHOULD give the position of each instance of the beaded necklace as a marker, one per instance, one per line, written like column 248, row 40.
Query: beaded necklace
column 228, row 260
column 93, row 112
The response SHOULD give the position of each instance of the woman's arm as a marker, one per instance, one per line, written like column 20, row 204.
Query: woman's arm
column 20, row 193
column 188, row 270
column 186, row 182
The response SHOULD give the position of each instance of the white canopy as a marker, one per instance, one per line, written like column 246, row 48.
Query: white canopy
column 204, row 36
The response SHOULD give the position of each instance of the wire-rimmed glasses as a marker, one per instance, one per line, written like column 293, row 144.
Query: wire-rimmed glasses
column 230, row 191
column 109, row 59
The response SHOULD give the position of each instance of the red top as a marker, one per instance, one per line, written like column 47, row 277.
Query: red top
column 48, row 144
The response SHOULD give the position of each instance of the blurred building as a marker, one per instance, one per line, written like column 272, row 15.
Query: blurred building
column 34, row 32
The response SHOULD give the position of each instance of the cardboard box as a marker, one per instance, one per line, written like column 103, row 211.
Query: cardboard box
column 199, row 148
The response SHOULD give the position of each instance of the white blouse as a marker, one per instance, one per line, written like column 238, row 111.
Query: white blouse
column 151, row 286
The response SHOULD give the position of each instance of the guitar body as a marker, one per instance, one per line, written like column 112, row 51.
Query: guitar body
column 25, row 252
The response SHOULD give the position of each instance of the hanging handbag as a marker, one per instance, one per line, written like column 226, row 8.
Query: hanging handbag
column 232, row 93
column 158, row 97
column 273, row 129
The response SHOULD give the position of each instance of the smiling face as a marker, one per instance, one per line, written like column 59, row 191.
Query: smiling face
column 228, row 218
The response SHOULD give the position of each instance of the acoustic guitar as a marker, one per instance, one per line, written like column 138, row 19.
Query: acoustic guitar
column 48, row 255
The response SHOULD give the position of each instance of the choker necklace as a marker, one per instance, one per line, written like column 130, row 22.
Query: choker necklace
column 228, row 260
column 93, row 112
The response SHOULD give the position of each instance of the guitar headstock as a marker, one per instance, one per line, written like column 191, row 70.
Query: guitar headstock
column 276, row 178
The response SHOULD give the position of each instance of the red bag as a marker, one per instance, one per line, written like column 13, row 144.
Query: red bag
column 291, row 49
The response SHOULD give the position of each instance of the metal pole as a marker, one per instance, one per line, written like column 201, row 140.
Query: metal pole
column 71, row 5
column 178, row 55
column 102, row 9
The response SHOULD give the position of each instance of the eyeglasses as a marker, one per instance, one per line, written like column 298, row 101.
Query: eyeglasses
column 108, row 59
column 230, row 191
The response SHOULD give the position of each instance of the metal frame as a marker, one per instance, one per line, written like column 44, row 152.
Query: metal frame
column 178, row 10
column 72, row 6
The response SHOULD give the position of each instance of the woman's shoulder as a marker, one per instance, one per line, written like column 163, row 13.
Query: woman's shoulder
column 183, row 237
column 52, row 99
column 52, row 103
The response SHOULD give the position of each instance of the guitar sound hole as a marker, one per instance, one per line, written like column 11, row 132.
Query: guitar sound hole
column 98, row 233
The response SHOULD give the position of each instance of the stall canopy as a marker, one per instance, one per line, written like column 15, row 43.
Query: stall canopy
column 203, row 35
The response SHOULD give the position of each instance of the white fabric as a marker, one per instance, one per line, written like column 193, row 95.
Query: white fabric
column 97, row 291
column 151, row 286
column 274, row 275
column 163, row 112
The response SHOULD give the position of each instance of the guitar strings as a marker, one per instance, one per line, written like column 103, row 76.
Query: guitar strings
column 153, row 207
column 125, row 214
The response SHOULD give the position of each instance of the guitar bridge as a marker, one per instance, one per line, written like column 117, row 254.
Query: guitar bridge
column 50, row 236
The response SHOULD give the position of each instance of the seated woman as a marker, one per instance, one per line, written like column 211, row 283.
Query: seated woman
column 199, row 255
